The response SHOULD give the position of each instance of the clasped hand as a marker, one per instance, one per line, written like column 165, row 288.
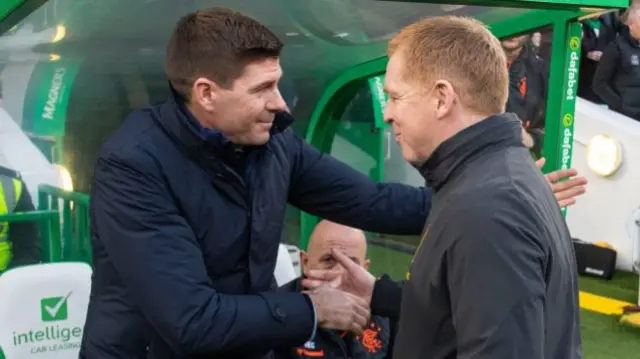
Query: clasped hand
column 341, row 297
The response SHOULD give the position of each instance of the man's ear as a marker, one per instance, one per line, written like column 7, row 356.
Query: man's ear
column 304, row 261
column 205, row 93
column 366, row 264
column 446, row 96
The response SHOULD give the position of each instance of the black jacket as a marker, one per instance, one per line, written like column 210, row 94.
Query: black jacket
column 595, row 39
column 617, row 77
column 24, row 236
column 494, row 276
column 185, row 232
column 375, row 343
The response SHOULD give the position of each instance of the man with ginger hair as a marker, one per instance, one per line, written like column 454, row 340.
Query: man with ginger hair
column 495, row 274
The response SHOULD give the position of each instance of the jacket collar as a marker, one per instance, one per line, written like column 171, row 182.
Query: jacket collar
column 182, row 126
column 494, row 132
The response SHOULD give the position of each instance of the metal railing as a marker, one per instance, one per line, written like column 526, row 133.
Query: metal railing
column 75, row 221
column 49, row 225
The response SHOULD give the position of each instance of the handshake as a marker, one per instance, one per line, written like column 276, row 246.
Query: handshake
column 341, row 298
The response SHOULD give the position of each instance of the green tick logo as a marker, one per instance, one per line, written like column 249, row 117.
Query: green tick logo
column 54, row 309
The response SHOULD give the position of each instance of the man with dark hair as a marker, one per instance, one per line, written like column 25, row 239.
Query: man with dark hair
column 188, row 204
column 235, row 40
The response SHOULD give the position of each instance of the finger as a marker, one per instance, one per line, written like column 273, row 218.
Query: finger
column 361, row 306
column 567, row 202
column 359, row 323
column 314, row 284
column 316, row 287
column 350, row 266
column 570, row 193
column 309, row 292
column 363, row 311
column 558, row 175
column 323, row 274
column 569, row 184
column 540, row 162
column 360, row 317
column 359, row 301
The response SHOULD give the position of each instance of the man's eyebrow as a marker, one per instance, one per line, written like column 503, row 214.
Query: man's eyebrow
column 263, row 84
column 389, row 91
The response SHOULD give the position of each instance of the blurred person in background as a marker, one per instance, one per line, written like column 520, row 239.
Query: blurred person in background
column 19, row 241
column 617, row 77
column 597, row 34
column 528, row 82
column 535, row 42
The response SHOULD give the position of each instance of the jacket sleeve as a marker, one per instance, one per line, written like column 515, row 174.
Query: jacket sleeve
column 605, row 72
column 325, row 187
column 293, row 286
column 24, row 236
column 386, row 298
column 385, row 302
column 155, row 252
column 495, row 278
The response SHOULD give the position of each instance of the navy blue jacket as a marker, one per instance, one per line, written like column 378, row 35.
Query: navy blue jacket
column 185, row 232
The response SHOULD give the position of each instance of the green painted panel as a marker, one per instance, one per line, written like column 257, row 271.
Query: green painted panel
column 561, row 102
column 7, row 6
column 47, row 98
column 380, row 98
column 546, row 3
column 533, row 4
column 570, row 89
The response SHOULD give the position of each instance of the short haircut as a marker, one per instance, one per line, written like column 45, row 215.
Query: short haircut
column 216, row 43
column 632, row 14
column 461, row 50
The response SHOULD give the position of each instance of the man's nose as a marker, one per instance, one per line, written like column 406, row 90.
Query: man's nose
column 386, row 115
column 277, row 103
